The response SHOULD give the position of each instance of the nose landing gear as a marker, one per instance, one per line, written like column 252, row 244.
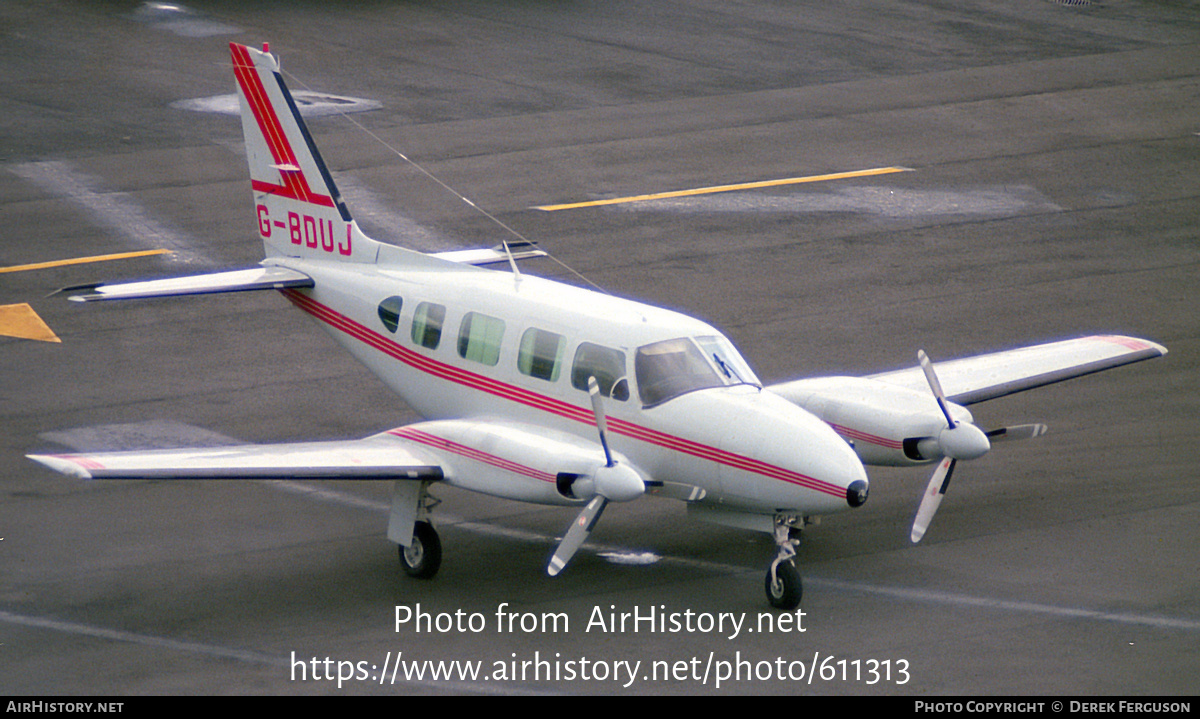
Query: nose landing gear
column 783, row 585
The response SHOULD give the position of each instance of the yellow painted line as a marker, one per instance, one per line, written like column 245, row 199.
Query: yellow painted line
column 728, row 188
column 83, row 260
column 22, row 322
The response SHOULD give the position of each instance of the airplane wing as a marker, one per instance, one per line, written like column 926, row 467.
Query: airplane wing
column 504, row 459
column 372, row 458
column 983, row 377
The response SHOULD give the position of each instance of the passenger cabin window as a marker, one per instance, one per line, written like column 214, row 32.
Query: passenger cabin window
column 606, row 365
column 389, row 313
column 479, row 338
column 667, row 369
column 427, row 324
column 541, row 354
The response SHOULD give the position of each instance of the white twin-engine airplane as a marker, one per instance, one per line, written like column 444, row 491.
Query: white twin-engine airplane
column 542, row 392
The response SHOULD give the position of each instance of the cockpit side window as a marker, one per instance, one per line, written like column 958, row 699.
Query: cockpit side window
column 667, row 369
column 730, row 364
column 670, row 368
column 605, row 364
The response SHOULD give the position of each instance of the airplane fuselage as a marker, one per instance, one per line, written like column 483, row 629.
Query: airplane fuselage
column 464, row 345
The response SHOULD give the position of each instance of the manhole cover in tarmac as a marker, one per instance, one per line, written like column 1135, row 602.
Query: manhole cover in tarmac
column 311, row 104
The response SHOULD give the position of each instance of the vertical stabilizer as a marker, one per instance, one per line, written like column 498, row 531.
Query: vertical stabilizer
column 300, row 212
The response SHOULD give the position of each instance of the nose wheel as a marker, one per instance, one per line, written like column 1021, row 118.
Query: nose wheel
column 783, row 585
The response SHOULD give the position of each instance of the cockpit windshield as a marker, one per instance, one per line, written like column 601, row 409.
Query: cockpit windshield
column 667, row 369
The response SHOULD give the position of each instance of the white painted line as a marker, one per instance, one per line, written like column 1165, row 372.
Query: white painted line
column 385, row 223
column 330, row 496
column 181, row 20
column 219, row 652
column 148, row 640
column 905, row 593
column 963, row 600
column 115, row 210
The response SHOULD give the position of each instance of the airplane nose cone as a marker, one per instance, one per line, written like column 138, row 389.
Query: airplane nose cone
column 856, row 493
column 820, row 471
column 770, row 455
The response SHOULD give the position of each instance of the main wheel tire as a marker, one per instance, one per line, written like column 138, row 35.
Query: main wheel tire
column 784, row 589
column 423, row 557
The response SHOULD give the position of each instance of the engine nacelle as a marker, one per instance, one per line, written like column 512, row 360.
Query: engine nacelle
column 887, row 425
column 524, row 463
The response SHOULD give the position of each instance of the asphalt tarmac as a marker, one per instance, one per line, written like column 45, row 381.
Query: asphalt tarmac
column 1051, row 191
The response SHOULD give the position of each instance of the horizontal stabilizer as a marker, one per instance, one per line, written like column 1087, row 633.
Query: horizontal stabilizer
column 259, row 278
column 519, row 251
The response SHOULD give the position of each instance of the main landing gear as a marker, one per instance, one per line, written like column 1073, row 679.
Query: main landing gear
column 782, row 584
column 422, row 557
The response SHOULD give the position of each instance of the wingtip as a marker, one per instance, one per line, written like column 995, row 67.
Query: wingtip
column 64, row 465
column 1137, row 344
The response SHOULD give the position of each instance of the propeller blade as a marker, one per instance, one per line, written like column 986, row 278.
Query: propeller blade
column 1020, row 431
column 620, row 484
column 938, row 484
column 601, row 419
column 577, row 534
column 960, row 440
column 935, row 386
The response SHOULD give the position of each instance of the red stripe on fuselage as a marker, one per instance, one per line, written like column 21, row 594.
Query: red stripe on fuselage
column 541, row 402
